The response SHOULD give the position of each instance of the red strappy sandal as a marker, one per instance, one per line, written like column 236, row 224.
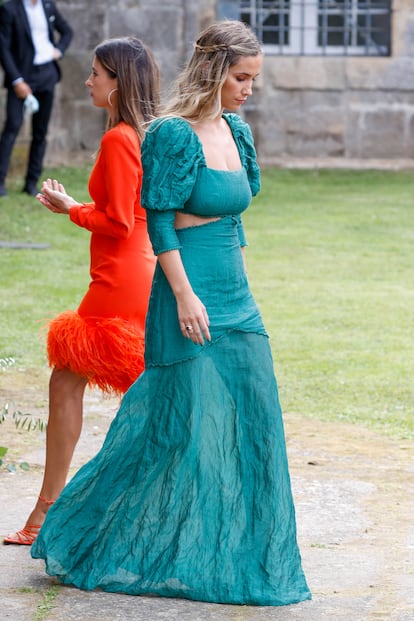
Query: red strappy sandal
column 23, row 537
column 27, row 535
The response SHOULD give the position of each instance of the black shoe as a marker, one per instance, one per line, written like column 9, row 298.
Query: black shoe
column 31, row 189
column 3, row 191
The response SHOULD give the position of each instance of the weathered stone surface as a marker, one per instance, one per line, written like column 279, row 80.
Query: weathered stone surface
column 312, row 107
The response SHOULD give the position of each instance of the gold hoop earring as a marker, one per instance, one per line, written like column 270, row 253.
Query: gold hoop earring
column 109, row 96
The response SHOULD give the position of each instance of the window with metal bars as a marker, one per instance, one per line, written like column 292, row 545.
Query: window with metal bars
column 317, row 27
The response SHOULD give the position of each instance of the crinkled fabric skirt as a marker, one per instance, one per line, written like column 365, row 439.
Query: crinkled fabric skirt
column 190, row 494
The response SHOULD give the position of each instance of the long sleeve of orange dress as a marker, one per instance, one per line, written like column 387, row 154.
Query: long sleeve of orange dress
column 104, row 339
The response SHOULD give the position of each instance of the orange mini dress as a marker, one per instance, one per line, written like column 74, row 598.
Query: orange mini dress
column 104, row 339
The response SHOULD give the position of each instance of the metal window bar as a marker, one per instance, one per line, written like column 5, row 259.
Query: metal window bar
column 321, row 27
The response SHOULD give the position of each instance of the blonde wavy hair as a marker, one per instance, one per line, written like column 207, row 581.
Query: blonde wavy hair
column 197, row 94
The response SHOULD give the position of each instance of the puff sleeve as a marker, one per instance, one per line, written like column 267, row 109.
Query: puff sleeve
column 171, row 154
column 245, row 144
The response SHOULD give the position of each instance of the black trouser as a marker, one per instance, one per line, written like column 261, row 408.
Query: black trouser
column 42, row 82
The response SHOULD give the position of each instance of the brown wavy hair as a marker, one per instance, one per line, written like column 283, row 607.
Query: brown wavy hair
column 130, row 61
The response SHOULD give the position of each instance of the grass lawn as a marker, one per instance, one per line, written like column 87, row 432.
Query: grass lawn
column 331, row 264
column 37, row 284
column 330, row 261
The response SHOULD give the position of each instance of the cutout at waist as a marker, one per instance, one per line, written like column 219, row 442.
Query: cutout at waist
column 184, row 220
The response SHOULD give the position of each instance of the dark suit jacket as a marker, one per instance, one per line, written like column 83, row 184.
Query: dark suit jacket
column 16, row 45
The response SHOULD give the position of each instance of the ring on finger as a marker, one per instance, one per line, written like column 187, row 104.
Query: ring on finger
column 189, row 328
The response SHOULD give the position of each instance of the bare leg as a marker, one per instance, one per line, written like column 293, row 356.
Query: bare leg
column 66, row 390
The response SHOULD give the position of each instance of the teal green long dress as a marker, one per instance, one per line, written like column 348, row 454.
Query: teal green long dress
column 190, row 494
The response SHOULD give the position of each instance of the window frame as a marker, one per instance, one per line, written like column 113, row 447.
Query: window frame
column 305, row 31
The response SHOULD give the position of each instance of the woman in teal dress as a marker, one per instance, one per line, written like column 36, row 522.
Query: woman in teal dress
column 190, row 494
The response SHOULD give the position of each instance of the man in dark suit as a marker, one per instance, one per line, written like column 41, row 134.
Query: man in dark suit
column 29, row 55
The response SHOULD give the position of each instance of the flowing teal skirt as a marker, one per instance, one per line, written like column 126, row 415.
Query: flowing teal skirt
column 190, row 494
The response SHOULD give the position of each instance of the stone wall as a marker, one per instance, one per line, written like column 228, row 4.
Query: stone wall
column 168, row 27
column 303, row 107
column 340, row 107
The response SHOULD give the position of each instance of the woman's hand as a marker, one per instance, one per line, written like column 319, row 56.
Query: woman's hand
column 193, row 318
column 192, row 314
column 54, row 196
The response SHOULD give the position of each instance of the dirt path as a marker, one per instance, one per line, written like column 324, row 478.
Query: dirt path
column 354, row 502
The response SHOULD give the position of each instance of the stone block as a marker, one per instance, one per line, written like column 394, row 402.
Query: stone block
column 380, row 73
column 399, row 75
column 267, row 132
column 160, row 27
column 87, row 125
column 58, row 148
column 76, row 69
column 365, row 73
column 377, row 132
column 303, row 72
column 88, row 21
column 403, row 32
column 270, row 139
column 317, row 144
column 308, row 123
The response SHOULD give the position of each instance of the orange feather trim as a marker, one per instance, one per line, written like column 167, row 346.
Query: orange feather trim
column 108, row 351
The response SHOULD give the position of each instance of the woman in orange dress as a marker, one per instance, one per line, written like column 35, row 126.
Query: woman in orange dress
column 102, row 343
